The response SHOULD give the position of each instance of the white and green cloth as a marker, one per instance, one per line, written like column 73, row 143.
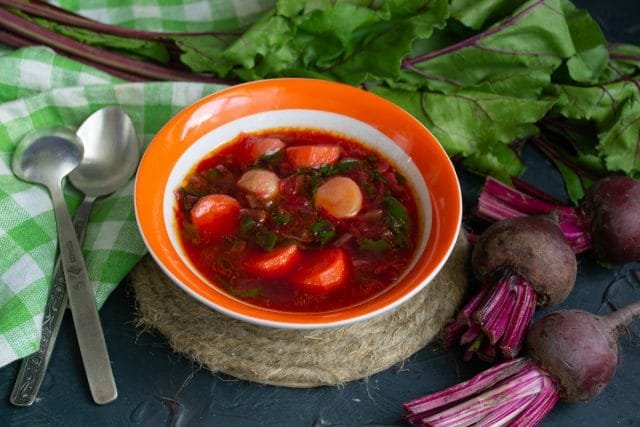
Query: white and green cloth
column 39, row 88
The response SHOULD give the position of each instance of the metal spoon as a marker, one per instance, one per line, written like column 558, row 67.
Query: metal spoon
column 111, row 155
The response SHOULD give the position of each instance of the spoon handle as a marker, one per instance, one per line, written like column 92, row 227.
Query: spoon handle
column 93, row 348
column 33, row 368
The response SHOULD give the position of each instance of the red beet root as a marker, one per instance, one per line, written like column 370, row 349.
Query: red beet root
column 572, row 355
column 533, row 247
column 613, row 207
column 523, row 263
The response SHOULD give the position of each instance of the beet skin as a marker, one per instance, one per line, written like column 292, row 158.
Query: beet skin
column 578, row 349
column 532, row 246
column 612, row 209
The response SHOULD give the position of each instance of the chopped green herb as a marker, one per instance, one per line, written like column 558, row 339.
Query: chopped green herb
column 265, row 239
column 397, row 219
column 211, row 174
column 340, row 167
column 314, row 183
column 192, row 191
column 373, row 245
column 323, row 231
column 377, row 176
column 400, row 178
column 240, row 293
column 281, row 218
column 247, row 224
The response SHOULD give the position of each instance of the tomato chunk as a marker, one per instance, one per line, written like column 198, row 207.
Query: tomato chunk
column 313, row 156
column 276, row 263
column 340, row 197
column 260, row 182
column 215, row 215
column 323, row 272
column 265, row 146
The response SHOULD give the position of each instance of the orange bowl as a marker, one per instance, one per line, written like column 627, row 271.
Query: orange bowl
column 218, row 118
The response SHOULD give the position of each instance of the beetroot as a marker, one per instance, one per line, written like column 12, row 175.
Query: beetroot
column 612, row 207
column 572, row 355
column 522, row 263
column 608, row 219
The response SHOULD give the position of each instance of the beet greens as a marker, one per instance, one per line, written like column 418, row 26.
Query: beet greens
column 572, row 355
column 505, row 69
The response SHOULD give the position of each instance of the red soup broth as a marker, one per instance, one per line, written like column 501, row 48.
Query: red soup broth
column 269, row 237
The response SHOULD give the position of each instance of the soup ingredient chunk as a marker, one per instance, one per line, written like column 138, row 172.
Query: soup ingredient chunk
column 340, row 197
column 313, row 156
column 324, row 271
column 265, row 147
column 215, row 215
column 261, row 183
column 273, row 264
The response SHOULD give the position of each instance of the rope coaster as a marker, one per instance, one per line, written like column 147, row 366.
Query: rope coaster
column 298, row 358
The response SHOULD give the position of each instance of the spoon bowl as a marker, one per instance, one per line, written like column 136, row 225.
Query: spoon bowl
column 47, row 156
column 111, row 153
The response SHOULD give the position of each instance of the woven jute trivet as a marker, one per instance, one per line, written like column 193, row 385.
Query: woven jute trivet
column 298, row 358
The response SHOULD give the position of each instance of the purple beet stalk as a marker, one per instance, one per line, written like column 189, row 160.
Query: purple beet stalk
column 499, row 201
column 517, row 392
column 607, row 219
column 494, row 322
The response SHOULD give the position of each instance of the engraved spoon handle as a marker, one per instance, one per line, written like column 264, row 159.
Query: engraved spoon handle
column 84, row 313
column 33, row 368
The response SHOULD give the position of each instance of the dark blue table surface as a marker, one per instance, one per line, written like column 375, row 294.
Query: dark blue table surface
column 158, row 387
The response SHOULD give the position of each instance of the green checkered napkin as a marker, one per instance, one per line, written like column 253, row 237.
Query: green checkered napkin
column 39, row 89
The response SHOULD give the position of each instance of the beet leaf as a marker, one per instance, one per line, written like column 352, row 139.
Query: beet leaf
column 475, row 125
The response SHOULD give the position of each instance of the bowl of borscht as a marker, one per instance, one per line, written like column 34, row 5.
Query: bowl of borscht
column 297, row 203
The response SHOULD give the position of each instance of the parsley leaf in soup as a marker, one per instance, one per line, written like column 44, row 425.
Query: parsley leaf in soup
column 323, row 231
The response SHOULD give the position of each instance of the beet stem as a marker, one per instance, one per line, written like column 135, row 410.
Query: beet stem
column 520, row 320
column 493, row 303
column 517, row 392
column 498, row 201
column 495, row 327
column 26, row 29
column 525, row 383
column 502, row 414
column 471, row 334
column 473, row 304
column 468, row 388
column 494, row 321
column 66, row 17
column 452, row 333
column 541, row 405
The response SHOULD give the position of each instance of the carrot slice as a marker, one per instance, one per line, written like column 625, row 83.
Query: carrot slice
column 260, row 182
column 323, row 272
column 312, row 156
column 340, row 197
column 276, row 263
column 215, row 215
column 265, row 146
